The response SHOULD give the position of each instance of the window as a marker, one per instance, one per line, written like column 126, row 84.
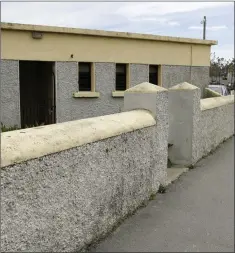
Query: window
column 153, row 74
column 121, row 78
column 84, row 82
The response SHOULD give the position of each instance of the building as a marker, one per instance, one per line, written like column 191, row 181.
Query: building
column 55, row 74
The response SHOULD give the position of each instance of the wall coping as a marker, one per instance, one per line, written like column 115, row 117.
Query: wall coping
column 145, row 87
column 102, row 33
column 184, row 86
column 25, row 144
column 210, row 103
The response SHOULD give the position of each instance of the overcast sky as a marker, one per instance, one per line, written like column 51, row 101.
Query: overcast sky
column 163, row 18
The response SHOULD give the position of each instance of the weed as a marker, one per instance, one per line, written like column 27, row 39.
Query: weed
column 6, row 129
column 162, row 189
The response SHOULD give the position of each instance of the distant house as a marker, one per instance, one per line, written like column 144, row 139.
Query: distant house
column 55, row 74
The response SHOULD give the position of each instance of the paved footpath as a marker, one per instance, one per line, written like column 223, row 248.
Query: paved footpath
column 196, row 214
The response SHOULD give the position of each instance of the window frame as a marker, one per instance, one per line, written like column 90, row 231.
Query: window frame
column 127, row 76
column 91, row 77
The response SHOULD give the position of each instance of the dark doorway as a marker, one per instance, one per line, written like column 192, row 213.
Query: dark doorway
column 37, row 93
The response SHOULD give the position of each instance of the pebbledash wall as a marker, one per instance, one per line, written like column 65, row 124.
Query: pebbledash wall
column 67, row 184
column 197, row 126
column 180, row 60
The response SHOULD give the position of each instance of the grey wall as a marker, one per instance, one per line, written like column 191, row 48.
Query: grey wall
column 10, row 93
column 69, row 108
column 139, row 73
column 195, row 132
column 211, row 127
column 201, row 78
column 60, row 202
column 173, row 75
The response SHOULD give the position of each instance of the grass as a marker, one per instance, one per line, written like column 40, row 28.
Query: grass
column 4, row 128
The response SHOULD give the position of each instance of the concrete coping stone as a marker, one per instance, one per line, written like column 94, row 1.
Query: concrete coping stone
column 26, row 144
column 184, row 86
column 210, row 103
column 145, row 87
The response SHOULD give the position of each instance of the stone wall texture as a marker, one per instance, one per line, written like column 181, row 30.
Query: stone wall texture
column 69, row 108
column 173, row 75
column 211, row 127
column 139, row 73
column 10, row 93
column 64, row 201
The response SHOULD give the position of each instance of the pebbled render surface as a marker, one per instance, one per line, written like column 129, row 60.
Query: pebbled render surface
column 196, row 214
column 211, row 127
column 139, row 73
column 63, row 201
column 10, row 93
column 69, row 108
column 198, row 76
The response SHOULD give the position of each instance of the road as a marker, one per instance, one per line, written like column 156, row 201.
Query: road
column 196, row 214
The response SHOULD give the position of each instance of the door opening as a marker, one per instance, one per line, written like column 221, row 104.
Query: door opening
column 37, row 93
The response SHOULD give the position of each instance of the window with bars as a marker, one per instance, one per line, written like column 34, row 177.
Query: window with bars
column 84, row 82
column 121, row 78
column 153, row 74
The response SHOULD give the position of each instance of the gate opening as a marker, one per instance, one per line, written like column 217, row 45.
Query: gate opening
column 37, row 93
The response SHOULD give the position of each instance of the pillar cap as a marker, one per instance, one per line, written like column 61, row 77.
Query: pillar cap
column 145, row 87
column 184, row 86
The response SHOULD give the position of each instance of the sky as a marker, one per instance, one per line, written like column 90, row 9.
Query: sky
column 181, row 19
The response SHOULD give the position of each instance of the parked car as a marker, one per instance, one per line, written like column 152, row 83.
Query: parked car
column 221, row 89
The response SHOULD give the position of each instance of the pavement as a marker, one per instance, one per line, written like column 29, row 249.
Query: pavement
column 196, row 214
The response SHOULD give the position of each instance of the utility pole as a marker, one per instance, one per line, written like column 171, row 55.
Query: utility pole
column 204, row 27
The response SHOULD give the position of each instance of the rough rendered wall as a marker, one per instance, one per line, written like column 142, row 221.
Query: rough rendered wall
column 60, row 202
column 173, row 75
column 201, row 78
column 10, row 93
column 66, row 84
column 198, row 76
column 139, row 73
column 69, row 108
column 211, row 127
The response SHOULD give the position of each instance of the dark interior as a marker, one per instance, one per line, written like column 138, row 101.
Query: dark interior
column 37, row 93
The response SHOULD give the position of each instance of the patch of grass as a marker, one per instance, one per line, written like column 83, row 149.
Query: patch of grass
column 152, row 197
column 6, row 129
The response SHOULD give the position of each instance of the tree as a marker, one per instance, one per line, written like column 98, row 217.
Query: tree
column 221, row 68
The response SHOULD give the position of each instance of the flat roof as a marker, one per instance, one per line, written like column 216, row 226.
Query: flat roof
column 102, row 33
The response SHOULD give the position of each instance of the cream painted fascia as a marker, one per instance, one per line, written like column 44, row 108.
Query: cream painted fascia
column 200, row 54
column 118, row 94
column 102, row 33
column 58, row 44
column 86, row 94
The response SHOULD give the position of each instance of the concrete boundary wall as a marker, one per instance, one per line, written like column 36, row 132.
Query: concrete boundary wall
column 197, row 126
column 76, row 180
